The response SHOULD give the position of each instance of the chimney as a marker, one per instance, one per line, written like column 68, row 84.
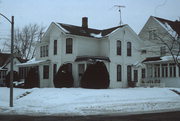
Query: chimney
column 85, row 22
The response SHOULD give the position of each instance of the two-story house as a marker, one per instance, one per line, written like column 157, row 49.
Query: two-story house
column 161, row 39
column 117, row 47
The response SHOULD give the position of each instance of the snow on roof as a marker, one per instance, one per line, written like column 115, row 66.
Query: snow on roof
column 159, row 59
column 32, row 62
column 96, row 35
column 88, row 32
column 62, row 28
column 170, row 26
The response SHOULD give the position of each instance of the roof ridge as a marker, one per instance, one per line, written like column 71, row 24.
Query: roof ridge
column 93, row 28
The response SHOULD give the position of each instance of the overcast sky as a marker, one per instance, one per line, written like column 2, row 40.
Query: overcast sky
column 101, row 13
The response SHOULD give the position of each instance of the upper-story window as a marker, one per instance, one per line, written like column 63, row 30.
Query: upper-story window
column 44, row 51
column 55, row 47
column 152, row 34
column 118, row 44
column 129, row 49
column 69, row 45
column 163, row 50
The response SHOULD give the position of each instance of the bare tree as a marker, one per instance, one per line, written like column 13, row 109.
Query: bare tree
column 171, row 39
column 25, row 40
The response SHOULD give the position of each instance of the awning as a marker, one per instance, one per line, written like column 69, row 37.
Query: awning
column 92, row 58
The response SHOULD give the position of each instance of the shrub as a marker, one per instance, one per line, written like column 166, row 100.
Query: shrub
column 32, row 79
column 63, row 77
column 131, row 84
column 96, row 76
column 15, row 78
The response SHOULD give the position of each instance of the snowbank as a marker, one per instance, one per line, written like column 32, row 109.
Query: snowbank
column 78, row 101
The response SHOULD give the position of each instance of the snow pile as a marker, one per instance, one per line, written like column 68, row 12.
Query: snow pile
column 78, row 101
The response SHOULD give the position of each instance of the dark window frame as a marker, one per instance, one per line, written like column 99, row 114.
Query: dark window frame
column 55, row 47
column 129, row 73
column 129, row 49
column 69, row 46
column 119, row 73
column 143, row 72
column 136, row 75
column 118, row 47
column 46, row 72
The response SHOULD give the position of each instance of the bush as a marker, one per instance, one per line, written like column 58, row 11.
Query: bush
column 63, row 77
column 32, row 79
column 15, row 78
column 131, row 84
column 96, row 76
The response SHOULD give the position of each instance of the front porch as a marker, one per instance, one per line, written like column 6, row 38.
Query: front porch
column 161, row 73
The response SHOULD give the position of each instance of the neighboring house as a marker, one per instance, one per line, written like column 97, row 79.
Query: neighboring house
column 78, row 46
column 5, row 65
column 159, row 62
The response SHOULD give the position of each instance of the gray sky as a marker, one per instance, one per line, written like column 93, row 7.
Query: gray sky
column 101, row 13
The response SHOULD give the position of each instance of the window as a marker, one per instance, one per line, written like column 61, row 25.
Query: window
column 179, row 71
column 54, row 69
column 136, row 75
column 44, row 51
column 46, row 72
column 55, row 47
column 149, row 71
column 143, row 72
column 152, row 34
column 157, row 70
column 164, row 70
column 129, row 78
column 128, row 48
column 118, row 47
column 172, row 70
column 41, row 51
column 162, row 50
column 119, row 73
column 69, row 45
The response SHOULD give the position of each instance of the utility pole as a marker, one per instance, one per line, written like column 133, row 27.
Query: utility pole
column 12, row 57
column 119, row 9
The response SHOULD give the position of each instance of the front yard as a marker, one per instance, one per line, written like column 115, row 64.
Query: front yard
column 78, row 101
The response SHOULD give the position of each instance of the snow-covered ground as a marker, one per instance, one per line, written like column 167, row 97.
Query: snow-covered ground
column 78, row 101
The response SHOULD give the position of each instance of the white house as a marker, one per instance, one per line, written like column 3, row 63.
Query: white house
column 5, row 65
column 118, row 47
column 158, row 34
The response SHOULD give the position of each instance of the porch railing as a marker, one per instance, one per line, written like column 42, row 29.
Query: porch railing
column 152, row 82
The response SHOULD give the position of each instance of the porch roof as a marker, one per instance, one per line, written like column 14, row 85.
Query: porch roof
column 159, row 59
column 92, row 58
column 33, row 62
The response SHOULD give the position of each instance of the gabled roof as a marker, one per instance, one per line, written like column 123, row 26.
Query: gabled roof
column 3, row 58
column 149, row 59
column 174, row 25
column 87, row 32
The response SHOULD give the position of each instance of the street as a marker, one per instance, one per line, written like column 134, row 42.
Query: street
column 167, row 116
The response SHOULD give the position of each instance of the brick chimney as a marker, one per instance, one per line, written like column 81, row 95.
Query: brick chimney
column 85, row 22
